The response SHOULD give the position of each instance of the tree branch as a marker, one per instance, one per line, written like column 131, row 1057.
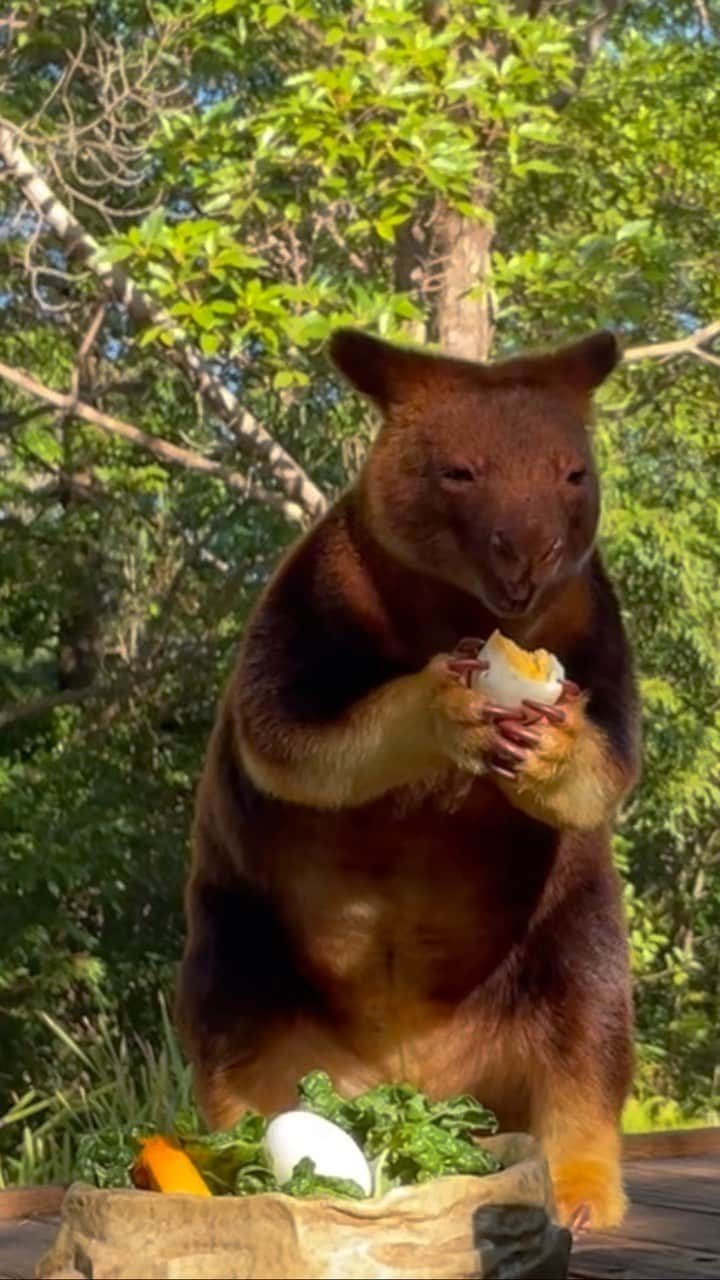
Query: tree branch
column 692, row 345
column 162, row 449
column 15, row 711
column 595, row 31
column 253, row 437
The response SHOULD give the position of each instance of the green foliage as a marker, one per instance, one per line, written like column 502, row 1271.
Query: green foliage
column 128, row 1092
column 267, row 177
column 654, row 1114
column 235, row 1162
column 119, row 1087
column 410, row 1138
column 232, row 1161
column 306, row 1181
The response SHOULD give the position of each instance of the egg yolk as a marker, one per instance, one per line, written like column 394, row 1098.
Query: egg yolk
column 533, row 666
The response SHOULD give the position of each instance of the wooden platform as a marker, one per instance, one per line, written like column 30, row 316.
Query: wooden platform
column 29, row 1220
column 672, row 1231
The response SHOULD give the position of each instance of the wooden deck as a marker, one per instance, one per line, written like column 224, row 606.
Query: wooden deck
column 672, row 1231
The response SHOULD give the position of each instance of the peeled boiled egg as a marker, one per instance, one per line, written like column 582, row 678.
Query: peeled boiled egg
column 515, row 673
column 294, row 1135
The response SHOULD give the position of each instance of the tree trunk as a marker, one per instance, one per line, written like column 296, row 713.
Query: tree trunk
column 459, row 264
column 79, row 624
column 462, row 320
column 79, row 641
column 442, row 260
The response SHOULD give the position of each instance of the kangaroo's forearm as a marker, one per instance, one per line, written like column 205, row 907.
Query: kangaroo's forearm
column 383, row 742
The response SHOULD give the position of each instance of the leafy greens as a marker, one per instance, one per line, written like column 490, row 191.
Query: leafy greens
column 409, row 1138
column 406, row 1138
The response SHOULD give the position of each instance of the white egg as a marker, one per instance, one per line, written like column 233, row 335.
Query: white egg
column 296, row 1134
column 505, row 681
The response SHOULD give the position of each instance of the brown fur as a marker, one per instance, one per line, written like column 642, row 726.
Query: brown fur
column 365, row 895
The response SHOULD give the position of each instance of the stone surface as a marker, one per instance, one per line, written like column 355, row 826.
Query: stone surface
column 461, row 1227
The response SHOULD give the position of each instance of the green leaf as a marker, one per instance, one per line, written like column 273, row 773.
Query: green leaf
column 151, row 334
column 632, row 230
column 411, row 1138
column 317, row 1093
column 305, row 1181
column 232, row 1161
column 117, row 252
column 385, row 230
column 209, row 343
column 204, row 316
column 154, row 223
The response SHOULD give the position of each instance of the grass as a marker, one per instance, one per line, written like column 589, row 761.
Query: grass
column 123, row 1084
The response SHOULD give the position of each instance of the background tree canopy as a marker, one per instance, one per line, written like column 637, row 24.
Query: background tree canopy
column 192, row 195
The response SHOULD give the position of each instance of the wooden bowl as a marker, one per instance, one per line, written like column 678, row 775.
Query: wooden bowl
column 499, row 1225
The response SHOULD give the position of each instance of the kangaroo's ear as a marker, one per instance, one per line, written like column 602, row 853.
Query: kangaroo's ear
column 388, row 373
column 572, row 371
column 374, row 367
column 587, row 363
column 384, row 372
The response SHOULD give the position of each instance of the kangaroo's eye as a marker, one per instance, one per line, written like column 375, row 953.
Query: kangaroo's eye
column 457, row 475
column 577, row 476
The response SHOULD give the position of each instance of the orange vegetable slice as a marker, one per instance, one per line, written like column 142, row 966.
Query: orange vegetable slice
column 161, row 1166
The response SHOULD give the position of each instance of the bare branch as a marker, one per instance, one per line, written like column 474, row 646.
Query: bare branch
column 88, row 341
column 599, row 25
column 707, row 357
column 692, row 345
column 121, row 96
column 703, row 13
column 594, row 36
column 80, row 373
column 15, row 711
column 252, row 436
column 162, row 449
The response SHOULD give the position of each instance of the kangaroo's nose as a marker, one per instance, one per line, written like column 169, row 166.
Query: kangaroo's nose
column 513, row 557
column 510, row 562
column 502, row 544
